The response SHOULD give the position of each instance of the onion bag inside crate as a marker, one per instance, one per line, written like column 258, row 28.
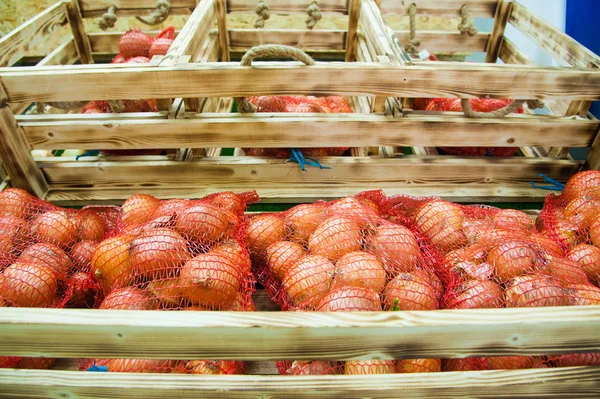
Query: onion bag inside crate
column 45, row 255
column 167, row 366
column 302, row 104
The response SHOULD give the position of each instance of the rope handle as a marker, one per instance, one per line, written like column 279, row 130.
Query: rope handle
column 272, row 51
column 108, row 19
column 158, row 16
column 314, row 14
column 499, row 113
column 413, row 44
column 262, row 10
column 466, row 26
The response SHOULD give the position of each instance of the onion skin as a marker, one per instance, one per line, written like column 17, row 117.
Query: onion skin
column 167, row 292
column 582, row 211
column 442, row 223
column 360, row 269
column 210, row 366
column 534, row 290
column 36, row 363
column 350, row 299
column 583, row 295
column 206, row 223
column 140, row 366
column 81, row 254
column 283, row 254
column 411, row 291
column 50, row 256
column 580, row 359
column 565, row 270
column 138, row 209
column 129, row 298
column 235, row 252
column 55, row 227
column 16, row 228
column 82, row 291
column 111, row 264
column 595, row 232
column 210, row 280
column 302, row 220
column 229, row 201
column 510, row 219
column 468, row 364
column 396, row 247
column 588, row 256
column 419, row 366
column 158, row 253
column 316, row 367
column 583, row 183
column 308, row 280
column 352, row 208
column 17, row 202
column 356, row 367
column 512, row 258
column 263, row 231
column 28, row 285
column 335, row 237
column 510, row 362
column 475, row 294
column 90, row 226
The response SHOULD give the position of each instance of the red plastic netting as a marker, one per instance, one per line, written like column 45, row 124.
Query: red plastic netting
column 176, row 255
column 303, row 104
column 45, row 255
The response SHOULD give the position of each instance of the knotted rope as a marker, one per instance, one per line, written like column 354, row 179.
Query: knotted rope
column 314, row 14
column 108, row 19
column 272, row 51
column 262, row 10
column 413, row 44
column 466, row 26
column 158, row 16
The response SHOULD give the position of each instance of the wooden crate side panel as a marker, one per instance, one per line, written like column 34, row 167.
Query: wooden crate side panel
column 438, row 79
column 17, row 43
column 292, row 130
column 244, row 39
column 288, row 6
column 477, row 8
column 580, row 382
column 301, row 336
column 559, row 44
column 447, row 42
column 82, row 43
column 95, row 8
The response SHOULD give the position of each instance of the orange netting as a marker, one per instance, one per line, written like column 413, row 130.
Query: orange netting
column 303, row 104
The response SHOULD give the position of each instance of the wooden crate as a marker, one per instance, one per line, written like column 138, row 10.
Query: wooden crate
column 194, row 84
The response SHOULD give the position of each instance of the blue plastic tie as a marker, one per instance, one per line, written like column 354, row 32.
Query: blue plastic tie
column 555, row 185
column 90, row 153
column 298, row 157
column 98, row 368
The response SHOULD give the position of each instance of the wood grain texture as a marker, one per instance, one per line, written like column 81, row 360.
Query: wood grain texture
column 298, row 335
column 447, row 42
column 95, row 8
column 65, row 54
column 439, row 79
column 80, row 38
column 17, row 43
column 477, row 8
column 551, row 39
column 288, row 6
column 221, row 10
column 576, row 382
column 244, row 39
column 353, row 17
column 192, row 35
column 15, row 153
column 294, row 130
column 503, row 11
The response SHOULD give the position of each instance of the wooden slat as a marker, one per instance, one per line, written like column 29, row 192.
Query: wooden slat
column 575, row 382
column 559, row 44
column 293, row 130
column 29, row 35
column 439, row 79
column 192, row 35
column 503, row 11
column 15, row 153
column 293, row 335
column 447, row 42
column 65, row 54
column 82, row 43
column 95, row 8
column 243, row 39
column 477, row 8
column 221, row 11
column 354, row 13
column 593, row 159
column 287, row 6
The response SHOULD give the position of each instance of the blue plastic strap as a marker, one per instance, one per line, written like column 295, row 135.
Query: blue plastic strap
column 297, row 156
column 90, row 153
column 555, row 185
column 98, row 368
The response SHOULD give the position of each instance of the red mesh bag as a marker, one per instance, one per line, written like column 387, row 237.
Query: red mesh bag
column 302, row 104
column 176, row 255
column 43, row 258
